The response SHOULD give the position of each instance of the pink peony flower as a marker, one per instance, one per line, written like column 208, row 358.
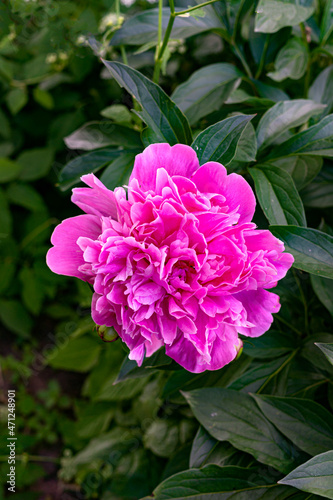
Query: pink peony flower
column 177, row 261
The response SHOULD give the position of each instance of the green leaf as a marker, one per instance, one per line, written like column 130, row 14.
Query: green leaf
column 159, row 112
column 326, row 26
column 206, row 90
column 161, row 437
column 327, row 350
column 303, row 169
column 94, row 419
column 218, row 483
column 79, row 354
column 278, row 196
column 94, row 135
column 85, row 164
column 8, row 258
column 118, row 113
column 316, row 140
column 282, row 117
column 246, row 150
column 5, row 130
column 126, row 389
column 16, row 100
column 31, row 289
column 35, row 163
column 306, row 423
column 319, row 193
column 312, row 249
column 202, row 446
column 119, row 170
column 311, row 353
column 9, row 170
column 271, row 345
column 25, row 196
column 315, row 476
column 291, row 61
column 142, row 27
column 233, row 416
column 219, row 142
column 15, row 317
column 256, row 376
column 322, row 89
column 43, row 97
column 130, row 369
column 323, row 288
column 272, row 15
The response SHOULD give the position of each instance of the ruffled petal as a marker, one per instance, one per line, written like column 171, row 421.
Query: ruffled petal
column 97, row 201
column 224, row 349
column 212, row 178
column 259, row 305
column 176, row 160
column 65, row 257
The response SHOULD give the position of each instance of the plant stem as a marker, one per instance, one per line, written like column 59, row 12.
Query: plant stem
column 123, row 54
column 159, row 59
column 195, row 7
column 272, row 375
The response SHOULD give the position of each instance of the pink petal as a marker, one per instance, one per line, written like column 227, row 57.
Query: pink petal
column 176, row 160
column 224, row 349
column 259, row 305
column 212, row 178
column 97, row 201
column 65, row 257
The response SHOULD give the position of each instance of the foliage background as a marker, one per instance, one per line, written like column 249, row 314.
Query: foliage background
column 247, row 75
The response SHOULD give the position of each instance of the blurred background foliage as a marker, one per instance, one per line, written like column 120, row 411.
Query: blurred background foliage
column 81, row 435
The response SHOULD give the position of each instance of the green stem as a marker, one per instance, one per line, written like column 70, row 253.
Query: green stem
column 33, row 458
column 123, row 54
column 262, row 58
column 117, row 4
column 272, row 375
column 159, row 29
column 195, row 7
column 320, row 382
column 159, row 59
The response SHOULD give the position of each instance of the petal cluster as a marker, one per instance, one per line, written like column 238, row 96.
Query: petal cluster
column 175, row 261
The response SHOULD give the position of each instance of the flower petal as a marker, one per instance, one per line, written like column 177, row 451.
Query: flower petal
column 212, row 178
column 176, row 160
column 65, row 257
column 259, row 305
column 97, row 201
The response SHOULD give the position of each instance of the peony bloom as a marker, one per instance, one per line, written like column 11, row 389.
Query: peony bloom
column 176, row 261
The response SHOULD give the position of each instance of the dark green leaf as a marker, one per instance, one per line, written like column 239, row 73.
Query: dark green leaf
column 257, row 375
column 316, row 140
column 319, row 193
column 94, row 135
column 219, row 142
column 315, row 476
column 162, row 437
column 267, row 91
column 16, row 100
column 303, row 169
column 142, row 27
column 232, row 416
column 219, row 483
column 291, row 61
column 206, row 90
column 9, row 170
column 246, row 150
column 272, row 15
column 35, row 163
column 282, row 117
column 327, row 350
column 326, row 26
column 278, row 196
column 126, row 389
column 25, row 196
column 271, row 345
column 312, row 249
column 323, row 288
column 15, row 317
column 313, row 355
column 119, row 170
column 306, row 423
column 202, row 446
column 85, row 164
column 159, row 112
column 79, row 354
column 130, row 368
column 322, row 88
